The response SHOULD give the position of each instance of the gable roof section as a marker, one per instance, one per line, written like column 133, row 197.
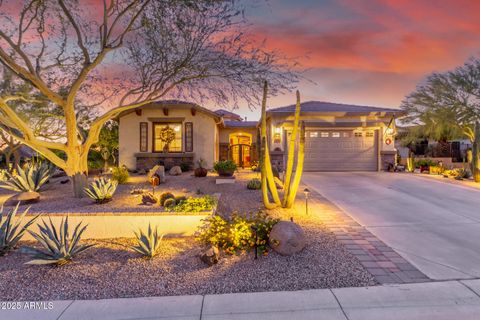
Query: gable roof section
column 240, row 124
column 174, row 103
column 330, row 107
column 223, row 113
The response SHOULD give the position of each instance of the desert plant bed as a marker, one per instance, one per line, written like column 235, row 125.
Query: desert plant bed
column 110, row 270
column 58, row 198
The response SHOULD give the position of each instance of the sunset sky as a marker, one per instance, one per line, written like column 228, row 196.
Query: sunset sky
column 370, row 52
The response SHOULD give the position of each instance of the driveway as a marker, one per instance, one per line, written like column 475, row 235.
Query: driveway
column 434, row 225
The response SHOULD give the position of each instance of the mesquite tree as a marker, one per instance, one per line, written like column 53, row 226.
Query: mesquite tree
column 122, row 54
column 268, row 181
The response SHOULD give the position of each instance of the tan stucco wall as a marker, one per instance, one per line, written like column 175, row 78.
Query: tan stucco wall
column 204, row 133
column 225, row 132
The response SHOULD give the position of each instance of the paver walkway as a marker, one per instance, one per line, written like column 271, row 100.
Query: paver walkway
column 386, row 265
column 434, row 300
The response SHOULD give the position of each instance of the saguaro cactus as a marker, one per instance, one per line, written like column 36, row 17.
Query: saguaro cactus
column 475, row 153
column 266, row 168
column 410, row 162
column 291, row 150
column 268, row 182
column 290, row 197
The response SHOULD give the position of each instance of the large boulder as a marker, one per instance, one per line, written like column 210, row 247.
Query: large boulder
column 159, row 171
column 23, row 198
column 210, row 256
column 287, row 238
column 175, row 171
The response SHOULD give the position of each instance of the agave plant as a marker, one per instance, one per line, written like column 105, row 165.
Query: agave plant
column 32, row 178
column 59, row 247
column 101, row 190
column 148, row 244
column 10, row 229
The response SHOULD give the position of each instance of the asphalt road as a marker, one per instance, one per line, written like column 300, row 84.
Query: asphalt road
column 434, row 225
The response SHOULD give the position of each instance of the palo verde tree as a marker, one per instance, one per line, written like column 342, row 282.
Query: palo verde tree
column 123, row 54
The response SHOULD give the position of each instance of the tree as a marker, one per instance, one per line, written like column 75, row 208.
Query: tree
column 447, row 104
column 125, row 54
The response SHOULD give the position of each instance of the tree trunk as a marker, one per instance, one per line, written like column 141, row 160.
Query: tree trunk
column 475, row 154
column 80, row 182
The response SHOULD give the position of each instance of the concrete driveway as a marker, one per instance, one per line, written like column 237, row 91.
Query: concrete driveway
column 434, row 225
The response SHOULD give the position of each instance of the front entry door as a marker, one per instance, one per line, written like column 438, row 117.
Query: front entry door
column 241, row 155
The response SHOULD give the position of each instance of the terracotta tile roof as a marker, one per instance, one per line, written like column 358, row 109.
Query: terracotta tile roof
column 320, row 106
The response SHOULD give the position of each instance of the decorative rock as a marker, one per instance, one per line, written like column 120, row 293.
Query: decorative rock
column 287, row 238
column 148, row 198
column 23, row 198
column 210, row 256
column 159, row 171
column 175, row 171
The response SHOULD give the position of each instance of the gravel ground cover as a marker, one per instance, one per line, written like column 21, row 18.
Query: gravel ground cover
column 110, row 270
column 58, row 197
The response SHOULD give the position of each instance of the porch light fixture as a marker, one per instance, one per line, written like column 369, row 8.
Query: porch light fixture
column 306, row 192
column 278, row 130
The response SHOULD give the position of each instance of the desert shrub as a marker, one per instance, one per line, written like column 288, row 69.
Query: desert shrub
column 148, row 243
column 179, row 199
column 101, row 190
column 254, row 184
column 425, row 162
column 10, row 231
column 31, row 178
column 120, row 174
column 191, row 204
column 169, row 203
column 437, row 170
column 185, row 166
column 237, row 234
column 59, row 247
column 164, row 196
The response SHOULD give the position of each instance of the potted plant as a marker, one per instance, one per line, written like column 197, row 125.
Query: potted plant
column 201, row 171
column 424, row 164
column 225, row 168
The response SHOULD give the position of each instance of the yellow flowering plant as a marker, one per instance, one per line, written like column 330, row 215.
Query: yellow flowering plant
column 236, row 234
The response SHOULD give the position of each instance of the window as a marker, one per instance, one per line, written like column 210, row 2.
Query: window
column 143, row 136
column 188, row 136
column 369, row 134
column 324, row 134
column 164, row 131
column 335, row 134
column 358, row 134
column 313, row 134
column 346, row 134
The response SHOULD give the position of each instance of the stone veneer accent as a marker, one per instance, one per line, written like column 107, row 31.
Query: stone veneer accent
column 146, row 161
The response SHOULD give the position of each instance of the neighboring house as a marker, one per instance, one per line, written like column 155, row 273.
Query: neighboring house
column 339, row 137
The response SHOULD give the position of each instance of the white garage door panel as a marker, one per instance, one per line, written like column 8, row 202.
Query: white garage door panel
column 345, row 153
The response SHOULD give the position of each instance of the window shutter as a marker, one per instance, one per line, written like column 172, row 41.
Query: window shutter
column 188, row 137
column 143, row 136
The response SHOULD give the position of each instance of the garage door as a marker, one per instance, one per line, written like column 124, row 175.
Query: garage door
column 341, row 150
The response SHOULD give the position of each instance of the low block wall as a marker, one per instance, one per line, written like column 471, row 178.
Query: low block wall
column 121, row 225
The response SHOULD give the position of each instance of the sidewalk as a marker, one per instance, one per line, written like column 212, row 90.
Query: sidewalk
column 433, row 300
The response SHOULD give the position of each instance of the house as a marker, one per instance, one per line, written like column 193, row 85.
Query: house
column 339, row 137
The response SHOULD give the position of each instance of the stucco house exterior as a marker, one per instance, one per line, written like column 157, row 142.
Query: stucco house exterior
column 339, row 137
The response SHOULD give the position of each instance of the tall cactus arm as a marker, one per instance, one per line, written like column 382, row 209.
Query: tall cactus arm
column 266, row 164
column 298, row 173
column 291, row 150
column 266, row 200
